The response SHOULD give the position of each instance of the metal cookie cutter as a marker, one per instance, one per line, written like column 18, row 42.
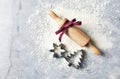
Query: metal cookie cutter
column 58, row 50
column 73, row 59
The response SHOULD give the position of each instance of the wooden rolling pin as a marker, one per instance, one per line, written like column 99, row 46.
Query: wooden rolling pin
column 75, row 34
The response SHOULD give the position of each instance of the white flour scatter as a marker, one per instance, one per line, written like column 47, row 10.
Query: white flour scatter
column 43, row 27
column 94, row 23
column 91, row 24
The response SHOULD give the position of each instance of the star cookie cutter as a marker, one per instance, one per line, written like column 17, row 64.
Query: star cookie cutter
column 58, row 50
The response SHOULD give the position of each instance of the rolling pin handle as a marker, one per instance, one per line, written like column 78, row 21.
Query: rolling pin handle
column 54, row 16
column 93, row 48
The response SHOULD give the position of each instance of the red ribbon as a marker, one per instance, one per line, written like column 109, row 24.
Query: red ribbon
column 66, row 25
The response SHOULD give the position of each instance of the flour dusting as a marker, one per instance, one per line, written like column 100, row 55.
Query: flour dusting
column 92, row 24
column 100, row 21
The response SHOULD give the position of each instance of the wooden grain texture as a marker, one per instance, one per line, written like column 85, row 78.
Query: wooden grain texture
column 75, row 34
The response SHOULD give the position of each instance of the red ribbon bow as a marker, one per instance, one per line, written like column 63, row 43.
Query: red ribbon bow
column 66, row 25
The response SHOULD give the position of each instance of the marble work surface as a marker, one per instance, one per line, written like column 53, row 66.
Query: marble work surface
column 22, row 58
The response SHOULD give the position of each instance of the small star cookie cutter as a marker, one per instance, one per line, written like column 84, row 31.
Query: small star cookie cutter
column 58, row 50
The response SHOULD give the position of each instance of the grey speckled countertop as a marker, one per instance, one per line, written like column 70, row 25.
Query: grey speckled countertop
column 22, row 58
